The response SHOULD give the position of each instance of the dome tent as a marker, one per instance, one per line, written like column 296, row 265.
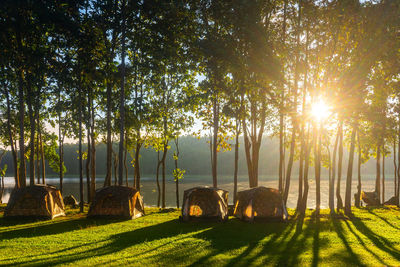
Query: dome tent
column 205, row 203
column 43, row 201
column 260, row 203
column 117, row 201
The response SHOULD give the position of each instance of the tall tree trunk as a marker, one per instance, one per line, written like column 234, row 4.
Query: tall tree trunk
column 290, row 163
column 383, row 175
column 81, row 203
column 339, row 204
column 347, row 201
column 137, row 165
column 358, row 196
column 395, row 169
column 332, row 182
column 281, row 113
column 294, row 115
column 378, row 171
column 157, row 179
column 37, row 147
column 92, row 150
column 165, row 150
column 125, row 165
column 305, row 177
column 122, row 100
column 235, row 172
column 107, row 180
column 60, row 145
column 215, row 140
column 32, row 132
column 398, row 167
column 10, row 136
column 22, row 174
column 318, row 171
column 42, row 157
column 176, row 157
column 87, row 166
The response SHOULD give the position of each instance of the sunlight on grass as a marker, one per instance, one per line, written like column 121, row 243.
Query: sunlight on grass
column 159, row 238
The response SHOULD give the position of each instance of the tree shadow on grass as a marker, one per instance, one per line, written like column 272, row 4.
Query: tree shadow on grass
column 237, row 235
column 371, row 211
column 54, row 227
column 352, row 258
column 119, row 242
column 359, row 239
column 379, row 241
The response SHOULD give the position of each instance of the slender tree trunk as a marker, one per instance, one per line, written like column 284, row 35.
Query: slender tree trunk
column 332, row 183
column 281, row 113
column 10, row 136
column 395, row 169
column 340, row 160
column 137, row 165
column 80, row 153
column 215, row 141
column 165, row 150
column 92, row 151
column 305, row 177
column 290, row 163
column 157, row 179
column 358, row 196
column 32, row 137
column 235, row 172
column 398, row 167
column 125, row 165
column 107, row 181
column 383, row 175
column 37, row 148
column 87, row 165
column 122, row 100
column 22, row 174
column 347, row 201
column 42, row 158
column 176, row 168
column 378, row 171
column 318, row 171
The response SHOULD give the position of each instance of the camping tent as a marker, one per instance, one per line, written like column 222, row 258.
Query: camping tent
column 205, row 203
column 260, row 203
column 35, row 201
column 117, row 201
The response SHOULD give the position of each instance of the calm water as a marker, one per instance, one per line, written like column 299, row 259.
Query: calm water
column 149, row 188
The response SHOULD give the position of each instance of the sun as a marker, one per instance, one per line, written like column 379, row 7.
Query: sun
column 320, row 110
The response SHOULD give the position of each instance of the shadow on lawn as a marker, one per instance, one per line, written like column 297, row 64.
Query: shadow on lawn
column 259, row 243
column 52, row 227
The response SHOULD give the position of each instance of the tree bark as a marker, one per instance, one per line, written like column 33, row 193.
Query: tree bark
column 87, row 165
column 215, row 140
column 122, row 100
column 281, row 113
column 378, row 171
column 32, row 132
column 332, row 183
column 176, row 168
column 235, row 172
column 137, row 165
column 11, row 139
column 81, row 204
column 358, row 196
column 340, row 160
column 22, row 174
column 157, row 179
column 347, row 201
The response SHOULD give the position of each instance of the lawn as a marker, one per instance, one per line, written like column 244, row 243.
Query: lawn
column 371, row 238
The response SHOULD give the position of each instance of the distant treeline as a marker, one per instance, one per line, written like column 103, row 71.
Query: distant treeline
column 194, row 158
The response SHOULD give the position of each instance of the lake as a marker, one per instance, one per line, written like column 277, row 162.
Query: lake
column 149, row 188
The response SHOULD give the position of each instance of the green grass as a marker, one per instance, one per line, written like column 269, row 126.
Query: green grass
column 371, row 238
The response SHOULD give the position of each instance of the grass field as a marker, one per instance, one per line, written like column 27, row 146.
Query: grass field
column 371, row 238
